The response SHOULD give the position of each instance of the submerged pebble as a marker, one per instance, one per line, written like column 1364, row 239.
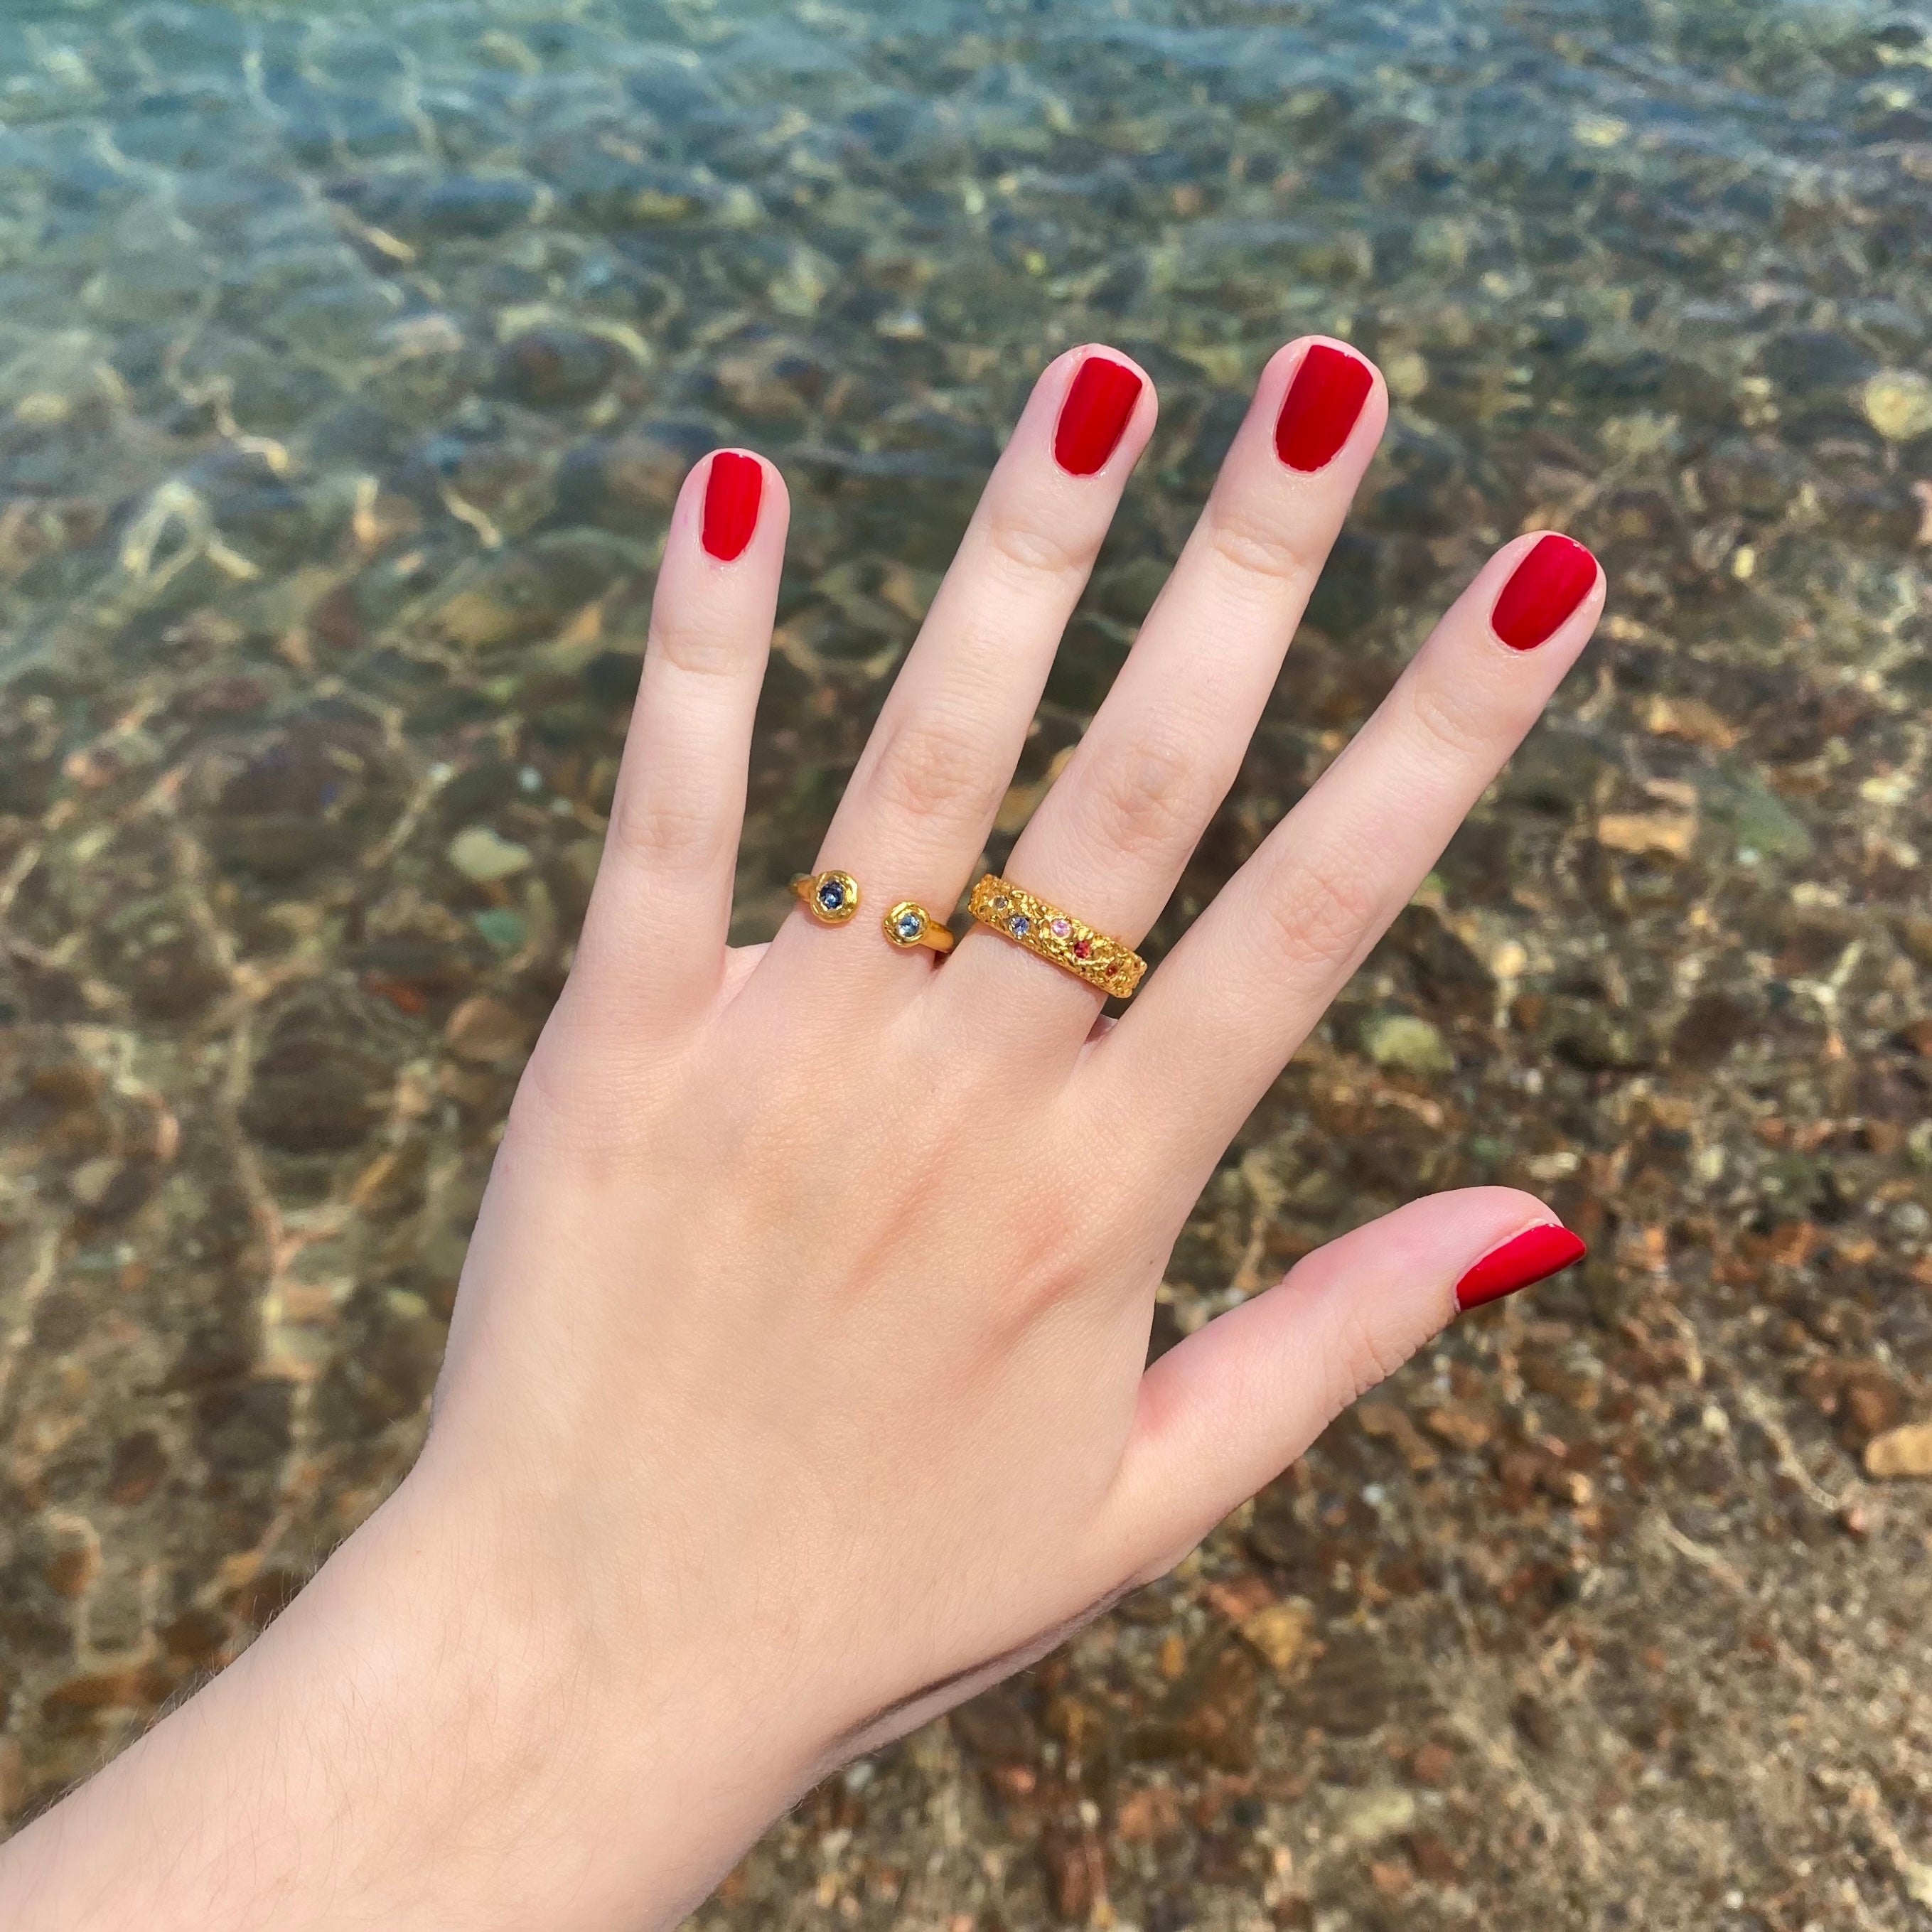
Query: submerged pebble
column 479, row 852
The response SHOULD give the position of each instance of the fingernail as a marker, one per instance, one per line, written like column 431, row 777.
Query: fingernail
column 1321, row 406
column 1093, row 418
column 731, row 494
column 1535, row 1255
column 1549, row 584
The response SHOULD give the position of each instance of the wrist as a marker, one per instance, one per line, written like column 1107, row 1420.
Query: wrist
column 591, row 1763
column 422, row 1740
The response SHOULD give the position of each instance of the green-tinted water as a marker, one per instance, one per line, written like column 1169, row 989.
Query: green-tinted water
column 350, row 358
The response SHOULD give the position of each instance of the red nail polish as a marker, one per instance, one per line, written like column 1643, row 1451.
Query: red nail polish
column 1533, row 1255
column 1321, row 406
column 731, row 495
column 1093, row 418
column 1549, row 584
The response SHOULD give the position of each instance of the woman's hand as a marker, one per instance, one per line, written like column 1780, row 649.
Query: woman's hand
column 796, row 1388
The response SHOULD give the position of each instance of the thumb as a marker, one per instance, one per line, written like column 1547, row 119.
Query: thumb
column 1239, row 1399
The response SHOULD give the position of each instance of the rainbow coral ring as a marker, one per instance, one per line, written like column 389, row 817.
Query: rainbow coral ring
column 1106, row 964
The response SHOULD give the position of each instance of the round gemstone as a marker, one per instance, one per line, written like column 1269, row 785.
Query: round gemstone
column 1083, row 949
column 832, row 896
column 1059, row 928
column 1019, row 925
column 1001, row 902
column 909, row 925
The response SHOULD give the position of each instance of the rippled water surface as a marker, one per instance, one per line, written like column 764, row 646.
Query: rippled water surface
column 350, row 359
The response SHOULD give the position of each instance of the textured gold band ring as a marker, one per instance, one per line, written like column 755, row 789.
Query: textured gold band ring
column 831, row 898
column 908, row 925
column 1110, row 964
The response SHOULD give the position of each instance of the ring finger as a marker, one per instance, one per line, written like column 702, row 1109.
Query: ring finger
column 1113, row 835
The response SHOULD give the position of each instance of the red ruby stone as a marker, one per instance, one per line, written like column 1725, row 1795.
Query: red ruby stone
column 1083, row 949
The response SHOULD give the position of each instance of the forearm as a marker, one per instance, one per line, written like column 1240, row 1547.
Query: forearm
column 383, row 1756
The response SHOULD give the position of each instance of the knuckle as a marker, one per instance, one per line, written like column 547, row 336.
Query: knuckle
column 1150, row 797
column 1023, row 543
column 1322, row 909
column 698, row 649
column 1359, row 1357
column 665, row 826
column 1450, row 722
column 1252, row 547
column 934, row 769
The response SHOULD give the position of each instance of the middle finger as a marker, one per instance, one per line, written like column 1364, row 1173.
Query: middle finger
column 1112, row 836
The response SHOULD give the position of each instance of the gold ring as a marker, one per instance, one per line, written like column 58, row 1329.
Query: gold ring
column 908, row 925
column 1110, row 964
column 831, row 898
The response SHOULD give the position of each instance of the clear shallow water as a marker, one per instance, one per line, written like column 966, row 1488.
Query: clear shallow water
column 349, row 358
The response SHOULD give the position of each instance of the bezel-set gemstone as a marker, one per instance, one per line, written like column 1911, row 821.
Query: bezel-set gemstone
column 1019, row 925
column 1059, row 928
column 1000, row 902
column 909, row 925
column 1083, row 949
column 832, row 896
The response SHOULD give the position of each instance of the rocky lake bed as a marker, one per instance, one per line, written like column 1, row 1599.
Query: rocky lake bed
column 349, row 360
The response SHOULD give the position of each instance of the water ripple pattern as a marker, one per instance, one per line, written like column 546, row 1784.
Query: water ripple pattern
column 349, row 358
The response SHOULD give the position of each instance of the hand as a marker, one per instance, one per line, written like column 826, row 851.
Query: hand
column 796, row 1389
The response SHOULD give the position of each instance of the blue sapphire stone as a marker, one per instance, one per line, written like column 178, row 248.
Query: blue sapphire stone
column 832, row 896
column 1019, row 925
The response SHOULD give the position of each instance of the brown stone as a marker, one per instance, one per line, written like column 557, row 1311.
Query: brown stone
column 1460, row 1428
column 997, row 1728
column 1076, row 1869
column 1869, row 1402
column 1239, row 1598
column 71, row 1570
column 1152, row 1811
column 95, row 1691
column 1386, row 1422
column 486, row 1032
column 1391, row 1878
column 1672, row 833
column 197, row 1636
column 1278, row 1632
column 1210, row 1715
column 1537, row 1722
column 1434, row 1859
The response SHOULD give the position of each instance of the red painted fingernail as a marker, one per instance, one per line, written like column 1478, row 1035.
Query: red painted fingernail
column 1321, row 406
column 1544, row 589
column 731, row 495
column 1533, row 1255
column 1093, row 418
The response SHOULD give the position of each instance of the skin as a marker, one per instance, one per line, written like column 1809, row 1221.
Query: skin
column 796, row 1389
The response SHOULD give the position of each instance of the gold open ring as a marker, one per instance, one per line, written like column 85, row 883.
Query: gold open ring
column 908, row 925
column 1110, row 964
column 831, row 898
